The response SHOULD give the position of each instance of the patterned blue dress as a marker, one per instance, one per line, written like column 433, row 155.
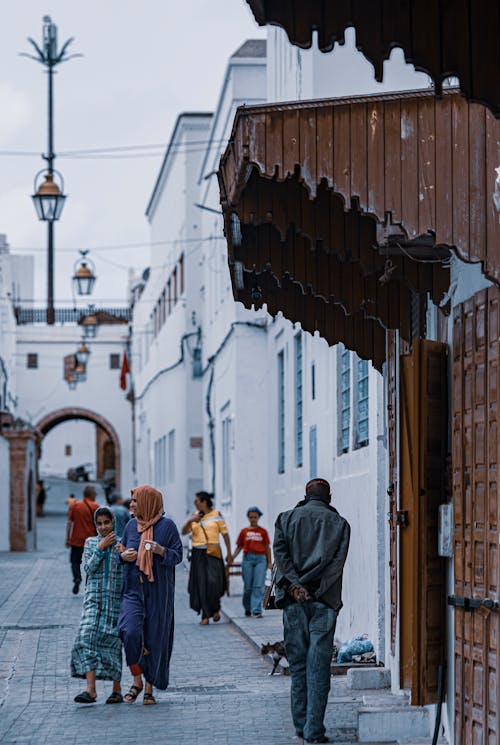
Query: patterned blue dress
column 97, row 645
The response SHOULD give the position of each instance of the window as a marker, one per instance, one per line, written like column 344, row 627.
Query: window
column 163, row 307
column 67, row 450
column 174, row 284
column 160, row 458
column 226, row 456
column 114, row 361
column 298, row 400
column 345, row 400
column 313, row 453
column 171, row 456
column 181, row 275
column 169, row 297
column 281, row 412
column 32, row 361
column 361, row 408
column 313, row 381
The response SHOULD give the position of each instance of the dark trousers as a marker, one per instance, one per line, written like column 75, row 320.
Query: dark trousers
column 309, row 630
column 75, row 558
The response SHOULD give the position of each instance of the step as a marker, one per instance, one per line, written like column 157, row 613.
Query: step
column 369, row 678
column 388, row 723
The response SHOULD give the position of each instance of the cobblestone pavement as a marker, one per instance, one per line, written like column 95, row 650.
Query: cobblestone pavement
column 220, row 692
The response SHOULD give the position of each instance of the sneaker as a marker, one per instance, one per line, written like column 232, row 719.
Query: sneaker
column 76, row 587
column 247, row 613
column 258, row 615
column 320, row 739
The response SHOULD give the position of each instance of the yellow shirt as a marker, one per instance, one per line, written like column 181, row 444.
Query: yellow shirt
column 214, row 526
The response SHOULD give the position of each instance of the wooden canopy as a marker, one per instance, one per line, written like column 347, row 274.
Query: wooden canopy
column 442, row 38
column 360, row 200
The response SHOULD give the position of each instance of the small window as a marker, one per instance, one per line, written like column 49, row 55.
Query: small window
column 114, row 361
column 344, row 401
column 313, row 381
column 32, row 361
column 67, row 450
column 281, row 412
column 181, row 275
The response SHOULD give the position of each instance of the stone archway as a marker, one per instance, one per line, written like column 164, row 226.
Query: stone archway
column 49, row 421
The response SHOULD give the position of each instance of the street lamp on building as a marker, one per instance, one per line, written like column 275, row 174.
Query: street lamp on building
column 48, row 196
column 84, row 276
column 89, row 325
column 83, row 354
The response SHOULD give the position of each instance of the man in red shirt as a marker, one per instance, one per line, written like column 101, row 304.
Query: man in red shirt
column 80, row 527
column 256, row 546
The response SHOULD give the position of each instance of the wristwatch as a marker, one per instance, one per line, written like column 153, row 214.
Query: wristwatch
column 148, row 546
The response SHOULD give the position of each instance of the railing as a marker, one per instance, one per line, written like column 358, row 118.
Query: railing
column 72, row 315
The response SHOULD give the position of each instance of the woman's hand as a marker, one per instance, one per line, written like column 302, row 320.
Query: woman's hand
column 195, row 517
column 130, row 554
column 119, row 548
column 156, row 548
column 107, row 541
column 229, row 559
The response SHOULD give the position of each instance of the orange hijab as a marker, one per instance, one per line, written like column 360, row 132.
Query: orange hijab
column 149, row 510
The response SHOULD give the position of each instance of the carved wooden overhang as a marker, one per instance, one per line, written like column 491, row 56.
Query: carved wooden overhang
column 442, row 38
column 361, row 199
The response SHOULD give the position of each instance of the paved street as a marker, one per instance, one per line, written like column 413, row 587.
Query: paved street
column 220, row 688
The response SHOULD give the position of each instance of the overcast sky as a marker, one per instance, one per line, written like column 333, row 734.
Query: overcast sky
column 144, row 63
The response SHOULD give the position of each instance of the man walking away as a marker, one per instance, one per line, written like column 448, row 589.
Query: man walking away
column 310, row 549
column 80, row 527
column 120, row 512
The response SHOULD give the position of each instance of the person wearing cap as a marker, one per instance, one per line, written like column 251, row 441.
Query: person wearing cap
column 256, row 546
column 310, row 547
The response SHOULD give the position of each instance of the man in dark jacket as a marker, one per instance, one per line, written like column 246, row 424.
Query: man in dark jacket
column 310, row 549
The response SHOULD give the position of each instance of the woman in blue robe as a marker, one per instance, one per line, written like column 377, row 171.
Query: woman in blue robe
column 151, row 549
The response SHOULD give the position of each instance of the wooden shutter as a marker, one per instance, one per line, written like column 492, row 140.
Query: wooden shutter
column 423, row 451
column 476, row 327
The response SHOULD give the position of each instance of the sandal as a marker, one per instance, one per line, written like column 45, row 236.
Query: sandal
column 131, row 696
column 115, row 698
column 216, row 617
column 85, row 698
column 204, row 622
column 148, row 699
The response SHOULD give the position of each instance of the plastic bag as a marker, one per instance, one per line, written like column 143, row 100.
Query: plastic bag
column 358, row 645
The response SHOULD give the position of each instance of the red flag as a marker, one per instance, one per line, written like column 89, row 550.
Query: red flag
column 124, row 371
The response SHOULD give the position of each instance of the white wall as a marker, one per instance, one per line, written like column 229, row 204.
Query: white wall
column 80, row 435
column 43, row 390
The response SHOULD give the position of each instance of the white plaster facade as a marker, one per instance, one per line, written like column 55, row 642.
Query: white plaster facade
column 42, row 390
column 166, row 318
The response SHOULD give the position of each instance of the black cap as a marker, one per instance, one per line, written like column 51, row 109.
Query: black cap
column 318, row 488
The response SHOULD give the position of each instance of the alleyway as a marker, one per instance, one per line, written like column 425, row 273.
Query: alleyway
column 220, row 688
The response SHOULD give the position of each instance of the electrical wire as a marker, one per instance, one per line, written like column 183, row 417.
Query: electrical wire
column 121, row 246
column 125, row 150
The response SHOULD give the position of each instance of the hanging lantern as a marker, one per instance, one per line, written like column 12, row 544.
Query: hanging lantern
column 81, row 372
column 89, row 325
column 48, row 197
column 83, row 354
column 84, row 276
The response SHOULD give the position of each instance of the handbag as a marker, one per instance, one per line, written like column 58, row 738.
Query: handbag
column 269, row 599
column 213, row 549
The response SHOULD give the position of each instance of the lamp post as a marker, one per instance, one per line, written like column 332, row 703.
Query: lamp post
column 49, row 197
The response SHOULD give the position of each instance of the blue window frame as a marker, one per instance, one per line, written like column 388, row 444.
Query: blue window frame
column 313, row 381
column 281, row 412
column 361, row 438
column 313, row 453
column 345, row 400
column 298, row 401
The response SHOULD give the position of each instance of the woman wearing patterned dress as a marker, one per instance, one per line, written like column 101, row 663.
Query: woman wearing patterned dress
column 97, row 651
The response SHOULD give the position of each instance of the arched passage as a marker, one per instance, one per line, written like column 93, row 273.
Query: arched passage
column 49, row 421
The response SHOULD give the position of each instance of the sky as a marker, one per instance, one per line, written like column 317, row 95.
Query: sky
column 144, row 63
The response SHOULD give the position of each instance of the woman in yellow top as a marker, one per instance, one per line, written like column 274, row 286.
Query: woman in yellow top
column 207, row 577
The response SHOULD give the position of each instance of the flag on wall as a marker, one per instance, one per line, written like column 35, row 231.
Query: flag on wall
column 125, row 369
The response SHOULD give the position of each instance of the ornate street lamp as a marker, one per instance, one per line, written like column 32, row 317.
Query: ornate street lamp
column 89, row 325
column 82, row 355
column 48, row 197
column 84, row 276
column 81, row 372
column 72, row 381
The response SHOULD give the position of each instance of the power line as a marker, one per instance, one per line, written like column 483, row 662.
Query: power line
column 116, row 150
column 121, row 246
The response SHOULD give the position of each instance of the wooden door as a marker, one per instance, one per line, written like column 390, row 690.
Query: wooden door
column 475, row 497
column 423, row 450
column 392, row 490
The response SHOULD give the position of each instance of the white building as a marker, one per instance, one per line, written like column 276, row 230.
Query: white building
column 166, row 320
